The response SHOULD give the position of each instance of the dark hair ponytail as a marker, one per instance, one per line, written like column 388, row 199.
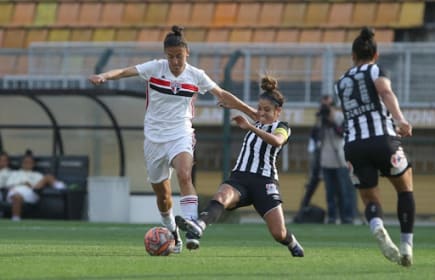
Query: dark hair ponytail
column 175, row 38
column 364, row 46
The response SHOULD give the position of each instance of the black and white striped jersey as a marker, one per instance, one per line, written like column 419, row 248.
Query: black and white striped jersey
column 364, row 112
column 256, row 156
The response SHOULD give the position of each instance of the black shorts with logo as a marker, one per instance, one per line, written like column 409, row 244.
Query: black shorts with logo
column 368, row 157
column 259, row 191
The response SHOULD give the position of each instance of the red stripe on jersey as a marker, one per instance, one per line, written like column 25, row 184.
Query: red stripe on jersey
column 167, row 83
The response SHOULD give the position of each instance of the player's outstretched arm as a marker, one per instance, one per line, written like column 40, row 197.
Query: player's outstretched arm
column 274, row 139
column 114, row 74
column 229, row 100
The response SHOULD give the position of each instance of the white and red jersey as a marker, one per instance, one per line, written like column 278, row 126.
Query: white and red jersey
column 170, row 99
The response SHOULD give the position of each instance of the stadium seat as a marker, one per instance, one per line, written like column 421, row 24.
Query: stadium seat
column 150, row 35
column 89, row 14
column 156, row 13
column 24, row 13
column 271, row 14
column 59, row 34
column 224, row 14
column 112, row 13
column 36, row 35
column 6, row 14
column 287, row 36
column 14, row 38
column 196, row 34
column 310, row 36
column 334, row 36
column 202, row 14
column 133, row 13
column 103, row 35
column 247, row 14
column 294, row 14
column 218, row 35
column 264, row 35
column 411, row 14
column 240, row 35
column 387, row 14
column 45, row 14
column 340, row 14
column 126, row 34
column 363, row 13
column 67, row 13
column 179, row 13
column 316, row 14
column 81, row 35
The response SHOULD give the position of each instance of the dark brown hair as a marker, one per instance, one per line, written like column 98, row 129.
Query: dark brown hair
column 175, row 38
column 364, row 46
column 271, row 92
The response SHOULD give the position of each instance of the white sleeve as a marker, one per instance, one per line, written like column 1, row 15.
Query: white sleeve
column 205, row 83
column 148, row 69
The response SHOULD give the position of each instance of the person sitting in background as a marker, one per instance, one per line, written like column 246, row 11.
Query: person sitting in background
column 23, row 185
column 5, row 171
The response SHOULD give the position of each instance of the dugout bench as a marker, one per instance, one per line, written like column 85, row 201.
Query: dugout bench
column 66, row 204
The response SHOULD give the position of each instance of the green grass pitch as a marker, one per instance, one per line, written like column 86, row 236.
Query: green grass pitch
column 52, row 250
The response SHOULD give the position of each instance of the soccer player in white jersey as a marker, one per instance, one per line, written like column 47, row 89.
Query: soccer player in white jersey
column 254, row 178
column 169, row 138
column 374, row 124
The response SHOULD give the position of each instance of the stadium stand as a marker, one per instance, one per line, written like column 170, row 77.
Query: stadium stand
column 103, row 21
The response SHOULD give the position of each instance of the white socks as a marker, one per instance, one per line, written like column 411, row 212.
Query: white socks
column 189, row 206
column 168, row 220
column 376, row 223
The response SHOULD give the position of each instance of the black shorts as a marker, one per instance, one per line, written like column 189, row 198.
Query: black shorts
column 368, row 157
column 256, row 190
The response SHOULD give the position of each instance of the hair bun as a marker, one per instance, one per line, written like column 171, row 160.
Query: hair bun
column 178, row 30
column 269, row 84
column 367, row 33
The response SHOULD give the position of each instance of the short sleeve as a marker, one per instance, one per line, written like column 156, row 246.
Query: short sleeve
column 148, row 69
column 283, row 129
column 205, row 83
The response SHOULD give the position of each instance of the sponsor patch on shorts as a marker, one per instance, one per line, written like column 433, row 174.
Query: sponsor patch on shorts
column 271, row 189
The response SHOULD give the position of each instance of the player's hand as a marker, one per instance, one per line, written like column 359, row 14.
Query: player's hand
column 242, row 122
column 96, row 79
column 404, row 128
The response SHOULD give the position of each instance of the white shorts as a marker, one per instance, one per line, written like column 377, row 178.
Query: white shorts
column 158, row 156
column 26, row 193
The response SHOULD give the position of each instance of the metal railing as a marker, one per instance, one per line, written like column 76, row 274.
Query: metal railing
column 304, row 71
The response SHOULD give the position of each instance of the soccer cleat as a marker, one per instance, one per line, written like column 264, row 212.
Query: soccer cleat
column 192, row 241
column 178, row 246
column 406, row 254
column 191, row 226
column 388, row 248
column 295, row 248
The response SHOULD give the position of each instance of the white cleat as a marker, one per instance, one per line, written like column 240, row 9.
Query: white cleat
column 388, row 248
column 406, row 254
column 178, row 246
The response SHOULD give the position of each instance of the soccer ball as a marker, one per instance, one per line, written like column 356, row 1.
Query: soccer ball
column 159, row 241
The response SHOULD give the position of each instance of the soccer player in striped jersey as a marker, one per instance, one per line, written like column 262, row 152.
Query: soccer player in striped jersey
column 254, row 178
column 374, row 124
column 172, row 86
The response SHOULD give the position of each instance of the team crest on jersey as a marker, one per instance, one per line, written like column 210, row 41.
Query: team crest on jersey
column 398, row 161
column 175, row 87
